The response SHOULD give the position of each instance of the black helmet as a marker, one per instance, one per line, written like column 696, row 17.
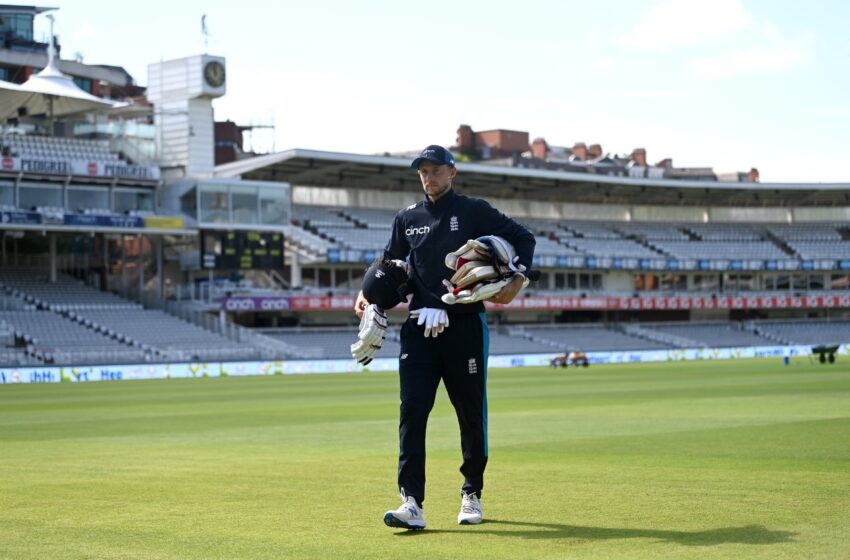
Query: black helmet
column 386, row 283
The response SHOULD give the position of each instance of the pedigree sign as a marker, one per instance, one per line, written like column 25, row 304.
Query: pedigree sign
column 79, row 167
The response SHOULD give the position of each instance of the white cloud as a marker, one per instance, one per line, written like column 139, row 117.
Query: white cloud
column 626, row 93
column 674, row 23
column 603, row 65
column 739, row 45
column 85, row 31
column 835, row 111
column 765, row 60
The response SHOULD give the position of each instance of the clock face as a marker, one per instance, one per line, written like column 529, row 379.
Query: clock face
column 214, row 73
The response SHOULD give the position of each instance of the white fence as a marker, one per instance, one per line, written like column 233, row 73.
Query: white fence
column 226, row 369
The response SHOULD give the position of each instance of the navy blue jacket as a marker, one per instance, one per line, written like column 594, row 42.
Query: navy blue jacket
column 425, row 232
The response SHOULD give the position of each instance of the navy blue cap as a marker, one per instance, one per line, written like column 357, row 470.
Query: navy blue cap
column 434, row 154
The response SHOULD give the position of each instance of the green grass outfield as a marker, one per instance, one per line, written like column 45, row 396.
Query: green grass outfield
column 730, row 459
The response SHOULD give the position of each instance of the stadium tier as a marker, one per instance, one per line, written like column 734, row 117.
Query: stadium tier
column 320, row 216
column 57, row 148
column 805, row 232
column 712, row 335
column 168, row 336
column 309, row 242
column 831, row 249
column 331, row 343
column 588, row 338
column 591, row 230
column 649, row 231
column 739, row 249
column 373, row 218
column 64, row 294
column 804, row 332
column 357, row 231
column 66, row 322
column 510, row 343
column 611, row 247
column 346, row 228
column 547, row 246
column 52, row 338
column 724, row 232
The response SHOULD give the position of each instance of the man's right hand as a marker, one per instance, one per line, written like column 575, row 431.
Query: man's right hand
column 360, row 304
column 370, row 338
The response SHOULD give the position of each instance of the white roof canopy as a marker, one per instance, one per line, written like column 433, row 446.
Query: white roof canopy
column 50, row 92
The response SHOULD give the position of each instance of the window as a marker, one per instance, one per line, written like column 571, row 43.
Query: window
column 739, row 282
column 706, row 282
column 19, row 25
column 244, row 200
column 747, row 282
column 33, row 196
column 7, row 194
column 839, row 281
column 274, row 206
column 215, row 206
column 84, row 84
column 130, row 199
column 674, row 282
column 80, row 198
column 188, row 204
column 645, row 281
column 559, row 280
column 596, row 281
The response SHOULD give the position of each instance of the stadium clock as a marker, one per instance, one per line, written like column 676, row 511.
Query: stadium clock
column 214, row 73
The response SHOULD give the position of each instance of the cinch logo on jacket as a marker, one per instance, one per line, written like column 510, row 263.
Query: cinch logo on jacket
column 417, row 230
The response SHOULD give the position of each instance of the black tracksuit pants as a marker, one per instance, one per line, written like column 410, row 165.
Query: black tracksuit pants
column 458, row 356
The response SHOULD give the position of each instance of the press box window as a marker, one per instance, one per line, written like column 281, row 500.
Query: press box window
column 33, row 197
column 7, row 194
column 81, row 198
column 128, row 200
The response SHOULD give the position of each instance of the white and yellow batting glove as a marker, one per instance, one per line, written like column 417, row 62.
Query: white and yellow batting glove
column 370, row 338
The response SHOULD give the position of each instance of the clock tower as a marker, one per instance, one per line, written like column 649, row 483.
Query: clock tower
column 182, row 92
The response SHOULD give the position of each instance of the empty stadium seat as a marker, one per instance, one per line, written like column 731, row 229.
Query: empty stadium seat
column 103, row 327
column 48, row 147
column 56, row 339
column 805, row 332
column 332, row 342
column 164, row 334
column 590, row 338
column 717, row 335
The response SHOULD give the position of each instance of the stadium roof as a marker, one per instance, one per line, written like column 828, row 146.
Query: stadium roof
column 35, row 10
column 343, row 170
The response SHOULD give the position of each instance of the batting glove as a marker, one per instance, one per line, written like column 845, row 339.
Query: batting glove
column 370, row 338
column 435, row 320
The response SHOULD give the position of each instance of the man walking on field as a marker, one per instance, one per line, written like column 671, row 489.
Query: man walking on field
column 441, row 341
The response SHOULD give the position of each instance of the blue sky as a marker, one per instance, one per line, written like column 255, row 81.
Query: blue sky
column 730, row 84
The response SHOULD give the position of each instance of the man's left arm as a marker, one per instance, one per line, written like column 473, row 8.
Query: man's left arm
column 494, row 222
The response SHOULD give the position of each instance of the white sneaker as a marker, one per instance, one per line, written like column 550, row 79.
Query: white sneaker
column 408, row 516
column 470, row 510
